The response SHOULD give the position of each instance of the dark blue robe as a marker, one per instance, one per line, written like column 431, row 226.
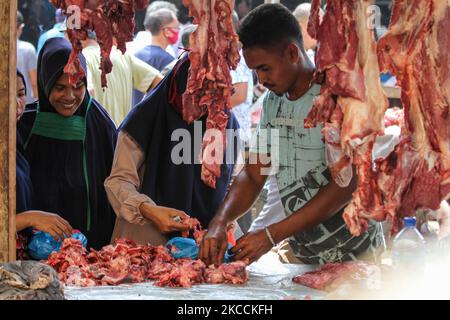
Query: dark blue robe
column 68, row 176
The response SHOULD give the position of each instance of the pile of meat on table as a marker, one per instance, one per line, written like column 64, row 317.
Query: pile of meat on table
column 110, row 19
column 128, row 262
column 329, row 276
column 214, row 50
column 351, row 106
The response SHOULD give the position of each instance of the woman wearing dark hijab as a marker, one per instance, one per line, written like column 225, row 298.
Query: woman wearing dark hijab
column 69, row 144
column 26, row 217
column 146, row 188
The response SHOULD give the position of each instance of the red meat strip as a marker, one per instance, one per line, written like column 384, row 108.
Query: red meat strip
column 110, row 19
column 214, row 51
column 329, row 275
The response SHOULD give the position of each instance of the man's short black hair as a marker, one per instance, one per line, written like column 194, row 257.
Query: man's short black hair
column 270, row 25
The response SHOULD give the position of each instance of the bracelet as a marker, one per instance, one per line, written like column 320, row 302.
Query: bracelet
column 270, row 236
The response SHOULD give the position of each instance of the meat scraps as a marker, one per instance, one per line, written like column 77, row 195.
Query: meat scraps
column 214, row 51
column 233, row 273
column 330, row 275
column 110, row 19
column 351, row 104
column 126, row 262
column 415, row 49
column 198, row 231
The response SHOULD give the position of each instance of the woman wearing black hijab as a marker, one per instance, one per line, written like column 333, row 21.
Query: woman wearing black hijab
column 69, row 144
column 146, row 188
column 26, row 217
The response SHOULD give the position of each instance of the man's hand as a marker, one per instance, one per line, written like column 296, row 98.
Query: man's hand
column 243, row 193
column 251, row 246
column 164, row 218
column 51, row 223
column 214, row 244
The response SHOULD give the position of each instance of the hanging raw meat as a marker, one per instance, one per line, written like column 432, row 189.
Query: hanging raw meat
column 110, row 19
column 416, row 50
column 351, row 104
column 214, row 51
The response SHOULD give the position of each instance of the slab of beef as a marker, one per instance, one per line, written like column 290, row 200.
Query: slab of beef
column 108, row 18
column 214, row 51
column 330, row 275
column 127, row 262
column 416, row 50
column 232, row 273
column 351, row 104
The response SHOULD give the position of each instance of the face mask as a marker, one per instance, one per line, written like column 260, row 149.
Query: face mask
column 174, row 35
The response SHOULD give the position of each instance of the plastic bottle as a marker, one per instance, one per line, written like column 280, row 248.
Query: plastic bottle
column 408, row 249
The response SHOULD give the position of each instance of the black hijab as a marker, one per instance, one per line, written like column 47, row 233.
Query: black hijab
column 151, row 124
column 68, row 174
column 24, row 188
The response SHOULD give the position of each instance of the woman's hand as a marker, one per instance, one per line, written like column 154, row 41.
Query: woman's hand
column 164, row 218
column 51, row 223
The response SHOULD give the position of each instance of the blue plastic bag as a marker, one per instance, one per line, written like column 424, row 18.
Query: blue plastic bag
column 187, row 248
column 42, row 244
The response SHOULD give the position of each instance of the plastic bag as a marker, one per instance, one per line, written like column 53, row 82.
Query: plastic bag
column 180, row 247
column 42, row 244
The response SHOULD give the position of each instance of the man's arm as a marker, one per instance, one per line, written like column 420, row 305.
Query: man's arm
column 240, row 93
column 155, row 82
column 242, row 195
column 145, row 77
column 326, row 203
column 123, row 190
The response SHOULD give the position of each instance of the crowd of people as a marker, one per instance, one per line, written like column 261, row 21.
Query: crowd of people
column 99, row 159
